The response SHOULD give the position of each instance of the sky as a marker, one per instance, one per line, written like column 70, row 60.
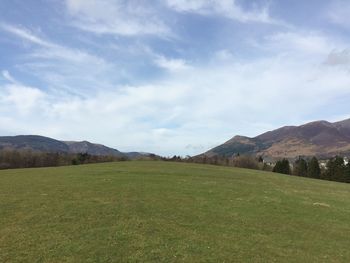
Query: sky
column 171, row 76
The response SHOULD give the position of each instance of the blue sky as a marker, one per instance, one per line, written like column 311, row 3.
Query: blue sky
column 170, row 76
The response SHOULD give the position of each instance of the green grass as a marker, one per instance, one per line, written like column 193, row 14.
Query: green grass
column 170, row 212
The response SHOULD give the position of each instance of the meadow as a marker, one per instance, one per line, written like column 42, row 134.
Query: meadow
column 152, row 211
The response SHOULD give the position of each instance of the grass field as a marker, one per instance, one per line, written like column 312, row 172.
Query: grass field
column 170, row 212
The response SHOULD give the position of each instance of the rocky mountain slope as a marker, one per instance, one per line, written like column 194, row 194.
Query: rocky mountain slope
column 320, row 138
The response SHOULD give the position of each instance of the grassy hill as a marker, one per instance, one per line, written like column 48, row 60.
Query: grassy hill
column 170, row 212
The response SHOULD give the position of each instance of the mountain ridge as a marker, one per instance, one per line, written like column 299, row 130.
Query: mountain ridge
column 46, row 144
column 317, row 138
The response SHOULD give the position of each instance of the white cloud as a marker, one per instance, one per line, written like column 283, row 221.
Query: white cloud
column 25, row 34
column 173, row 65
column 307, row 42
column 223, row 55
column 49, row 49
column 68, row 54
column 226, row 8
column 22, row 98
column 57, row 65
column 135, row 18
column 117, row 17
column 8, row 76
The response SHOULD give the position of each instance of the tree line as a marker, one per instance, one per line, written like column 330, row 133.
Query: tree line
column 10, row 159
column 335, row 170
column 241, row 161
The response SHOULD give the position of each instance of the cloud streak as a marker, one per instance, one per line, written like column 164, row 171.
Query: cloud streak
column 26, row 35
column 226, row 8
column 117, row 17
column 58, row 65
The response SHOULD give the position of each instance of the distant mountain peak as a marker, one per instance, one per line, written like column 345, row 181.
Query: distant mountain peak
column 319, row 138
column 46, row 144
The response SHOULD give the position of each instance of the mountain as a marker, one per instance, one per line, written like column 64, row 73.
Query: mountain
column 33, row 142
column 91, row 148
column 320, row 138
column 45, row 144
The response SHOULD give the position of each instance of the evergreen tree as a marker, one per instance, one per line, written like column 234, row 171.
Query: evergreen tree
column 314, row 170
column 282, row 166
column 336, row 169
column 300, row 167
column 347, row 173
